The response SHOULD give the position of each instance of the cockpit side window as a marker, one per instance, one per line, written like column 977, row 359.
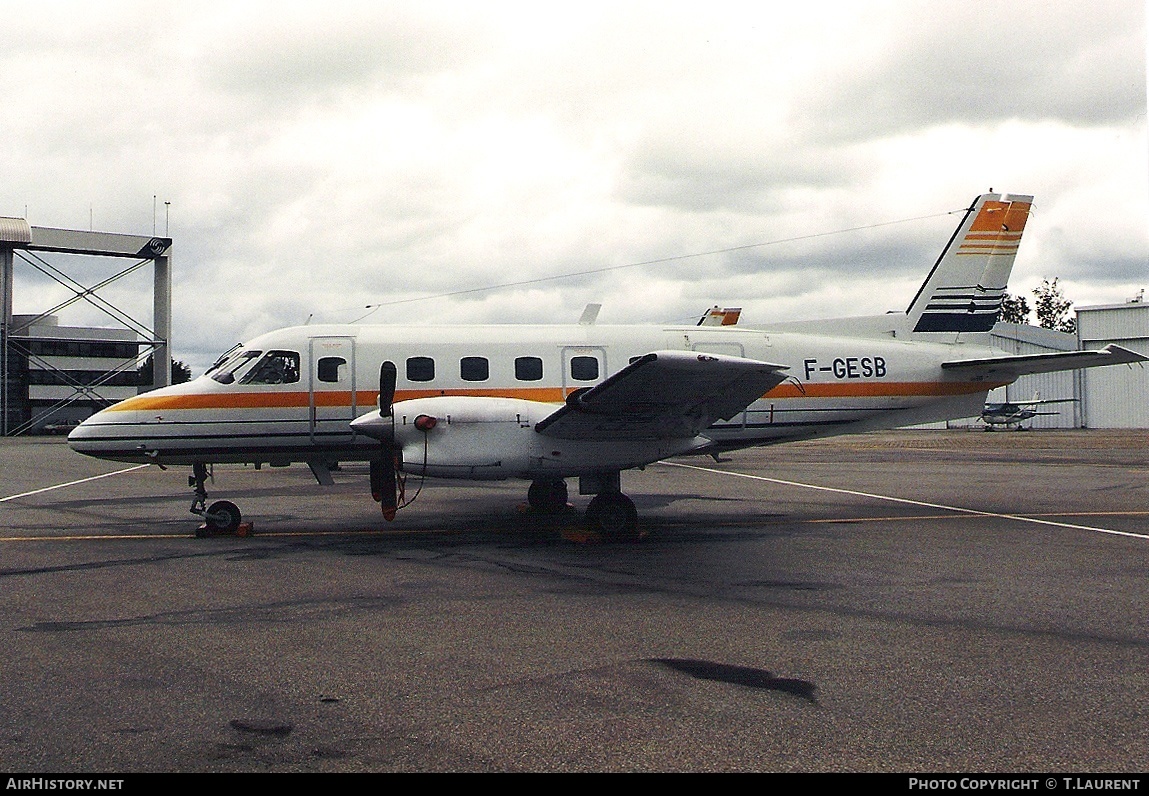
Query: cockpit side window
column 227, row 368
column 276, row 367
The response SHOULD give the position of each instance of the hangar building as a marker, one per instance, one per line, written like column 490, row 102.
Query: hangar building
column 1115, row 397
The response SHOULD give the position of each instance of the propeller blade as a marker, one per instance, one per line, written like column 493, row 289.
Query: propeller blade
column 386, row 388
column 383, row 476
column 384, row 485
column 390, row 491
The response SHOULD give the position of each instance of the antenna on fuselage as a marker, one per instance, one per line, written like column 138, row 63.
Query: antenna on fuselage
column 589, row 315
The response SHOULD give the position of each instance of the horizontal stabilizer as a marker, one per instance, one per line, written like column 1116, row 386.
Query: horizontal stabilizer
column 663, row 395
column 1008, row 368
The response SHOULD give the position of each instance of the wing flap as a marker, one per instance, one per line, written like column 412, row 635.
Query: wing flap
column 663, row 395
column 1024, row 364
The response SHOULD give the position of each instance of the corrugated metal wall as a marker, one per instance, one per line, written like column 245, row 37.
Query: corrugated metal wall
column 1115, row 397
column 1016, row 339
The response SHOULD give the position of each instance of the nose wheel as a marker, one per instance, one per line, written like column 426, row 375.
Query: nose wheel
column 221, row 517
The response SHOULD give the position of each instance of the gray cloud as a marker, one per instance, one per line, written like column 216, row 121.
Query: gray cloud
column 320, row 159
column 1080, row 64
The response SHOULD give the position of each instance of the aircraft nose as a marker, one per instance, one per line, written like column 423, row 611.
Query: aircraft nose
column 104, row 436
column 81, row 436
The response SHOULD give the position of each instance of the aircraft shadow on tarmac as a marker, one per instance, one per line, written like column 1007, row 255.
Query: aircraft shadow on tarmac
column 746, row 676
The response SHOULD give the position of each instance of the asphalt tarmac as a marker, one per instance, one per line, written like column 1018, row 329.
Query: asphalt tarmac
column 910, row 601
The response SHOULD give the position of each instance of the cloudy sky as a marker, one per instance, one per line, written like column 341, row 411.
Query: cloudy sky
column 320, row 158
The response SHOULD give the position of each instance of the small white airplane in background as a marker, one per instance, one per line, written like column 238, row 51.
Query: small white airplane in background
column 1014, row 414
column 546, row 403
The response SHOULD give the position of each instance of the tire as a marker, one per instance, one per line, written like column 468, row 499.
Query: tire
column 613, row 516
column 223, row 517
column 548, row 496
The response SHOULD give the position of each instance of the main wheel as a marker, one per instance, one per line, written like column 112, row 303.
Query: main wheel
column 548, row 496
column 223, row 517
column 613, row 515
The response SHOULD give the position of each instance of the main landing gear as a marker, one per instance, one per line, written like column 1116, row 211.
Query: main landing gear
column 222, row 517
column 610, row 516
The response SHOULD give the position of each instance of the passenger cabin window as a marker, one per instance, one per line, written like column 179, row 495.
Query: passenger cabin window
column 277, row 367
column 584, row 368
column 528, row 368
column 329, row 368
column 420, row 369
column 474, row 369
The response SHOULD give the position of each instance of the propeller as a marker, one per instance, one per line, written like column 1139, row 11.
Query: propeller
column 384, row 487
column 380, row 425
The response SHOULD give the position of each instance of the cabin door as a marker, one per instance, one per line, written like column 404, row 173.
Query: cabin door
column 331, row 391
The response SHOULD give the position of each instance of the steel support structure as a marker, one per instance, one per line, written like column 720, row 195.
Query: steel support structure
column 18, row 238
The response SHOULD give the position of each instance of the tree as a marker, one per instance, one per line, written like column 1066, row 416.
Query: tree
column 1014, row 309
column 180, row 372
column 1052, row 308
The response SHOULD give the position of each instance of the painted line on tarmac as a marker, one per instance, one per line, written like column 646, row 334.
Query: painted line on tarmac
column 73, row 483
column 908, row 501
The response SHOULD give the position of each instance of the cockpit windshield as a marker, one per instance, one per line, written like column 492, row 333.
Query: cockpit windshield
column 226, row 366
column 224, row 357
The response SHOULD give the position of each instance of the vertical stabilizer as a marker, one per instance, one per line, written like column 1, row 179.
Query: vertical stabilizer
column 964, row 291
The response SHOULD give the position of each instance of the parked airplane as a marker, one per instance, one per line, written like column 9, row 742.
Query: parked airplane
column 1010, row 414
column 546, row 403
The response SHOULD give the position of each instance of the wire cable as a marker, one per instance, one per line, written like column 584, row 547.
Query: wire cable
column 522, row 282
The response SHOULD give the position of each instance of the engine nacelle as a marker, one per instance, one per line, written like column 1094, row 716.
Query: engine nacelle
column 495, row 438
column 471, row 437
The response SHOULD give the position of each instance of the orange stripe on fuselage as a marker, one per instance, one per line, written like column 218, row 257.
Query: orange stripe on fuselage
column 365, row 399
column 282, row 400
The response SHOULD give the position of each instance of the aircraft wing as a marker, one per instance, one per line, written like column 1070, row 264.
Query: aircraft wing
column 663, row 395
column 1010, row 367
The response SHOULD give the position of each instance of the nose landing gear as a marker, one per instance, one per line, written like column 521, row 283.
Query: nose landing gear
column 222, row 517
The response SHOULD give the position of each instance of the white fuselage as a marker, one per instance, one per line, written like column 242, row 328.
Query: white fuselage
column 836, row 385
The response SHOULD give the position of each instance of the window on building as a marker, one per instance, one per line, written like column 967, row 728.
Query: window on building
column 584, row 368
column 528, row 368
column 420, row 369
column 474, row 369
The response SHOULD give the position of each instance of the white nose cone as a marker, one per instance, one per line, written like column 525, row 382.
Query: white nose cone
column 373, row 425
